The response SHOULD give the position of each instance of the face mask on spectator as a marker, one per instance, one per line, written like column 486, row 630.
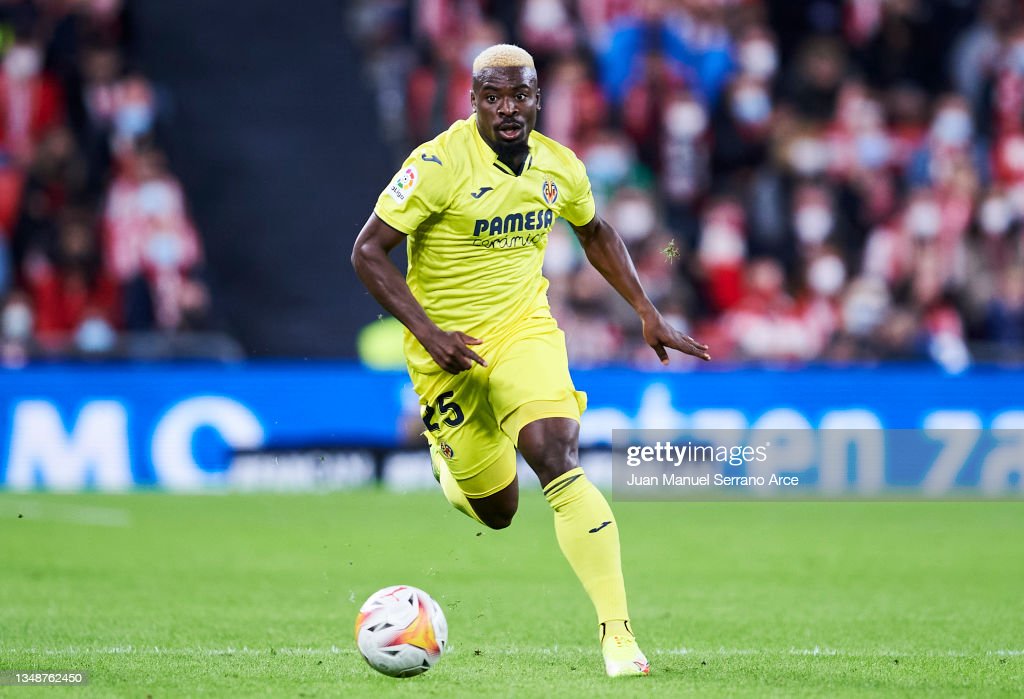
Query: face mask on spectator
column 22, row 62
column 156, row 199
column 686, row 120
column 952, row 127
column 995, row 217
column 865, row 306
column 721, row 245
column 758, row 58
column 544, row 16
column 95, row 335
column 813, row 224
column 634, row 219
column 164, row 250
column 134, row 119
column 807, row 156
column 16, row 322
column 872, row 150
column 608, row 163
column 751, row 105
column 924, row 219
column 826, row 276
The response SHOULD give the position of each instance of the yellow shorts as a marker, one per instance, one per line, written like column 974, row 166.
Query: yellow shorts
column 473, row 418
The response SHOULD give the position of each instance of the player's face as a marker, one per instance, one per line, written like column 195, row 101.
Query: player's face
column 506, row 101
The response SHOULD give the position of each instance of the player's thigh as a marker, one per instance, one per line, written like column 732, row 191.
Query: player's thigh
column 461, row 425
column 530, row 380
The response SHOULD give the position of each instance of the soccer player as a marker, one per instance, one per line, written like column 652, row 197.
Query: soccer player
column 486, row 358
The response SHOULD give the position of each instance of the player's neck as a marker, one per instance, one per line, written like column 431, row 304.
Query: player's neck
column 514, row 161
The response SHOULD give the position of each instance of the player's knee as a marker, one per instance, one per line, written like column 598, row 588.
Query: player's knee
column 550, row 447
column 553, row 461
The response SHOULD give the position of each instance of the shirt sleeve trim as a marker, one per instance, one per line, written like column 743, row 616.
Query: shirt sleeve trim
column 392, row 221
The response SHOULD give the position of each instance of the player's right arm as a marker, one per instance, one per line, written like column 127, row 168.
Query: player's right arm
column 373, row 265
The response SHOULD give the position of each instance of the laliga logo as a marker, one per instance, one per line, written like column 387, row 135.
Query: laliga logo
column 402, row 187
column 550, row 191
column 407, row 180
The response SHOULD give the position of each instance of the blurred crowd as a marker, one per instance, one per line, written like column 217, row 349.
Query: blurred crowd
column 797, row 180
column 95, row 237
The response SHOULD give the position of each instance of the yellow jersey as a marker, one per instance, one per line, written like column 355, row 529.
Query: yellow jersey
column 477, row 231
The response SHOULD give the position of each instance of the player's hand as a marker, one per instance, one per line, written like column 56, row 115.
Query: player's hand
column 451, row 352
column 659, row 335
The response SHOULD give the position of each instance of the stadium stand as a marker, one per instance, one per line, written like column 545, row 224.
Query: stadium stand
column 834, row 181
column 837, row 181
column 98, row 253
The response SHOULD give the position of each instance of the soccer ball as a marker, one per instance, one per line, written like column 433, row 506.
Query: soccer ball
column 401, row 631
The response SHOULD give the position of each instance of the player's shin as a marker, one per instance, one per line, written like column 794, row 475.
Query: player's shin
column 589, row 539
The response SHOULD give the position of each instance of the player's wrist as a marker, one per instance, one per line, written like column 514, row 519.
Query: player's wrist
column 647, row 311
column 427, row 333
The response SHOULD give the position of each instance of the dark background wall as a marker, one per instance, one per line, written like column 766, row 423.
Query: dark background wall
column 272, row 131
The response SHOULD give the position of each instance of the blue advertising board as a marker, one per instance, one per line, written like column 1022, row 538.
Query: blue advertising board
column 176, row 426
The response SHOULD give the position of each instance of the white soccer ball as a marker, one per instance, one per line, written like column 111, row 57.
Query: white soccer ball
column 401, row 631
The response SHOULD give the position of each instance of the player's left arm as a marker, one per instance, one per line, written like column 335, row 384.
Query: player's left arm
column 606, row 251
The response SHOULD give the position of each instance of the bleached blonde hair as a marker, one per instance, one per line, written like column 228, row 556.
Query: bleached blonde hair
column 502, row 56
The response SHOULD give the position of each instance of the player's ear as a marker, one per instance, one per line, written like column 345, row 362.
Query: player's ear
column 538, row 99
column 472, row 99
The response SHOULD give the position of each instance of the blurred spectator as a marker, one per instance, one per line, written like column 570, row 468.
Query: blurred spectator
column 742, row 126
column 72, row 295
column 611, row 162
column 546, row 26
column 151, row 245
column 17, row 324
column 30, row 100
column 439, row 87
column 901, row 48
column 814, row 82
column 824, row 278
column 644, row 110
column 766, row 324
column 55, row 177
column 134, row 112
column 977, row 52
column 1006, row 311
column 950, row 147
column 683, row 160
column 686, row 41
column 721, row 252
column 574, row 105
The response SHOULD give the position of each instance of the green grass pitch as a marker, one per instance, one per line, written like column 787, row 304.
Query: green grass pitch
column 255, row 595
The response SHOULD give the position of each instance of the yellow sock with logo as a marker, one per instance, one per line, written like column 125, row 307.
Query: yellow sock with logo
column 589, row 539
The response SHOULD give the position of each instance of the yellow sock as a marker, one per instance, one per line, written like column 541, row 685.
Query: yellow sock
column 450, row 487
column 589, row 539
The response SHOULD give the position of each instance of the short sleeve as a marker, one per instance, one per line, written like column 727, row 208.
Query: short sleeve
column 579, row 207
column 416, row 192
